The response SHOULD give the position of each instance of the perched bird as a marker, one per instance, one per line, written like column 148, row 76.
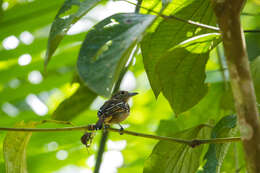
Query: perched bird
column 115, row 110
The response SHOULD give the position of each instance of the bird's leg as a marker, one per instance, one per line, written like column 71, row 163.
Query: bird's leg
column 106, row 126
column 121, row 129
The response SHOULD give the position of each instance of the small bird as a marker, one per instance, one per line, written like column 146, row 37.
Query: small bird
column 115, row 110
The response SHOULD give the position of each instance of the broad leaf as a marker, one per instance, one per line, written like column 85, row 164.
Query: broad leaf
column 168, row 157
column 75, row 104
column 165, row 3
column 182, row 72
column 70, row 12
column 107, row 47
column 217, row 152
column 255, row 70
column 171, row 32
column 14, row 148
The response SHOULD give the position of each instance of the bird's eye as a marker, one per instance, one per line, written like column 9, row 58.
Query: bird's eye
column 122, row 92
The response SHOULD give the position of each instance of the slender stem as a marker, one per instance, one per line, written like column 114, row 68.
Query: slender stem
column 201, row 25
column 164, row 138
column 76, row 128
column 138, row 5
column 222, row 67
column 101, row 150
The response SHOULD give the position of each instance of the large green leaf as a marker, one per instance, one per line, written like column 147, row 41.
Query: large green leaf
column 75, row 104
column 171, row 32
column 15, row 144
column 107, row 47
column 182, row 72
column 255, row 70
column 168, row 157
column 217, row 152
column 70, row 12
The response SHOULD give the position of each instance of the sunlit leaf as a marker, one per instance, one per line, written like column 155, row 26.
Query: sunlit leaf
column 70, row 12
column 154, row 5
column 182, row 72
column 165, row 2
column 75, row 104
column 217, row 152
column 107, row 47
column 171, row 32
column 14, row 148
column 171, row 157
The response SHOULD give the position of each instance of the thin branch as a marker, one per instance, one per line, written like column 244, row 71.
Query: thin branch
column 222, row 65
column 191, row 143
column 250, row 14
column 201, row 25
column 137, row 7
column 101, row 150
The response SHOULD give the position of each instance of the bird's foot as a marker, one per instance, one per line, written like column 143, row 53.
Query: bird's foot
column 121, row 129
column 106, row 126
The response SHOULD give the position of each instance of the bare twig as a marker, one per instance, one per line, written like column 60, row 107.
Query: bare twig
column 191, row 143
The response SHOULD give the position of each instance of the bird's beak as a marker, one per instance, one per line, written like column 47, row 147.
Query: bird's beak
column 132, row 94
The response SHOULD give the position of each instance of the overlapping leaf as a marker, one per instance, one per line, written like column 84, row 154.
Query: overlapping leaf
column 182, row 72
column 168, row 157
column 107, row 47
column 171, row 32
column 217, row 152
column 69, row 13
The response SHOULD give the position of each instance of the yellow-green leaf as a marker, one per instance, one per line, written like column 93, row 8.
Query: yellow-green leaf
column 14, row 148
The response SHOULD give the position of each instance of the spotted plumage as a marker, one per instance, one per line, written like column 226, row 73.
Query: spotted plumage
column 115, row 110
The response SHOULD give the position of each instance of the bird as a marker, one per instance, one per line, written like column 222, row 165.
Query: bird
column 114, row 110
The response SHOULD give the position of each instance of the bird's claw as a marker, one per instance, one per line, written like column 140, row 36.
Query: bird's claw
column 106, row 127
column 121, row 130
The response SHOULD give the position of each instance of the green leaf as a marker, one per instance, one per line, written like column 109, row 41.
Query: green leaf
column 217, row 152
column 165, row 3
column 182, row 72
column 168, row 157
column 75, row 104
column 171, row 32
column 255, row 70
column 107, row 47
column 14, row 148
column 70, row 12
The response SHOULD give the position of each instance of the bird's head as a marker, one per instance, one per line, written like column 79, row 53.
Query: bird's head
column 123, row 95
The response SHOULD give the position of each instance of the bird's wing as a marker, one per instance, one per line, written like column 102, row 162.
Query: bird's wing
column 110, row 107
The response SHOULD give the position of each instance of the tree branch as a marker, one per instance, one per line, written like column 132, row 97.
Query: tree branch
column 228, row 17
column 191, row 143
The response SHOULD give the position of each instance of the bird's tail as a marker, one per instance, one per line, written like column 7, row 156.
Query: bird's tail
column 99, row 123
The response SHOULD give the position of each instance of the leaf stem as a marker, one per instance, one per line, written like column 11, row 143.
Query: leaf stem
column 192, row 143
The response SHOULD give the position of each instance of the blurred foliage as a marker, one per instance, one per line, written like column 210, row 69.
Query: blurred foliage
column 25, row 26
